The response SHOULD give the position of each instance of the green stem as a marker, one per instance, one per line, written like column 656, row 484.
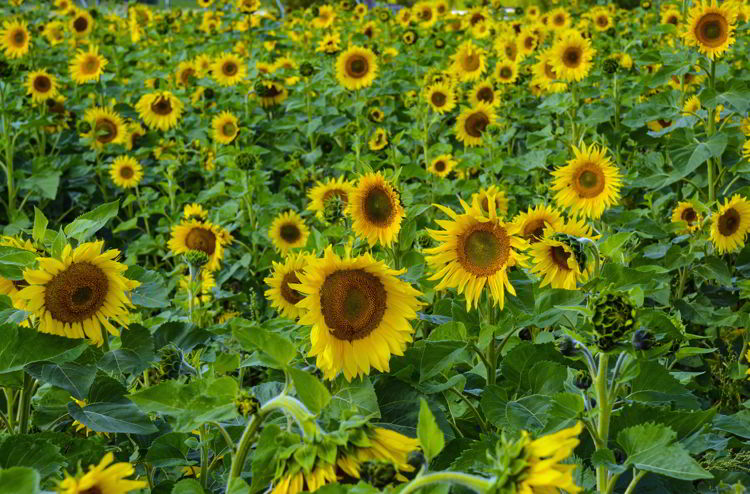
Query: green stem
column 491, row 348
column 204, row 455
column 474, row 482
column 636, row 478
column 10, row 400
column 105, row 338
column 25, row 406
column 710, row 126
column 473, row 409
column 602, row 397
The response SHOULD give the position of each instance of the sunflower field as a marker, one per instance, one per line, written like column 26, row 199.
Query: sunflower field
column 252, row 247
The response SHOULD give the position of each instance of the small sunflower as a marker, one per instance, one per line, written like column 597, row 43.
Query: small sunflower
column 691, row 106
column 203, row 236
column 107, row 127
column 330, row 43
column 288, row 231
column 545, row 74
column 442, row 165
column 671, row 16
column 160, row 110
column 194, row 210
column 441, row 97
column 379, row 139
column 484, row 92
column 282, row 296
column 326, row 17
column 685, row 212
column 135, row 132
column 527, row 41
column 229, row 69
column 474, row 251
column 272, row 93
column 602, row 20
column 379, row 445
column 469, row 62
column 559, row 19
column 225, row 128
column 571, row 57
column 15, row 39
column 589, row 183
column 41, row 86
column 78, row 294
column 359, row 311
column 126, row 172
column 81, row 24
column 187, row 70
column 472, row 123
column 731, row 224
column 532, row 223
column 506, row 71
column 54, row 32
column 558, row 257
column 710, row 27
column 87, row 65
column 356, row 68
column 105, row 478
column 376, row 210
column 323, row 192
column 493, row 198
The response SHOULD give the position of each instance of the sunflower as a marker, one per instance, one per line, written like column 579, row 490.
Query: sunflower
column 559, row 19
column 731, row 224
column 442, row 165
column 283, row 297
column 589, row 183
column 126, row 172
column 81, row 24
column 691, row 106
column 545, row 75
column 659, row 125
column 76, row 295
column 359, row 312
column 484, row 92
column 203, row 236
column 228, row 69
column 135, row 132
column 508, row 48
column 87, row 65
column 15, row 39
column 326, row 17
column 225, row 127
column 472, row 123
column 671, row 16
column 356, row 68
column 54, row 32
column 686, row 213
column 288, row 231
column 272, row 93
column 104, row 478
column 201, row 287
column 571, row 57
column 545, row 472
column 323, row 192
column 469, row 62
column 527, row 41
column 441, row 97
column 303, row 480
column 602, row 20
column 425, row 12
column 331, row 43
column 376, row 210
column 506, row 71
column 558, row 257
column 376, row 115
column 160, row 110
column 186, row 71
column 379, row 139
column 490, row 196
column 409, row 37
column 710, row 27
column 532, row 223
column 474, row 250
column 41, row 86
column 194, row 210
column 107, row 127
column 379, row 445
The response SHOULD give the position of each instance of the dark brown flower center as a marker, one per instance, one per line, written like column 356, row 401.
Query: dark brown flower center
column 126, row 172
column 229, row 129
column 19, row 38
column 689, row 215
column 288, row 293
column 486, row 94
column 162, row 106
column 186, row 75
column 729, row 222
column 76, row 293
column 572, row 57
column 589, row 181
column 712, row 30
column 80, row 24
column 90, row 64
column 330, row 194
column 202, row 240
column 229, row 69
column 506, row 73
column 672, row 19
column 378, row 207
column 42, row 84
column 511, row 51
column 471, row 62
column 92, row 490
column 483, row 249
column 290, row 233
column 534, row 230
column 476, row 123
column 353, row 303
column 559, row 256
column 438, row 99
column 559, row 20
column 105, row 130
column 440, row 166
column 357, row 66
column 602, row 20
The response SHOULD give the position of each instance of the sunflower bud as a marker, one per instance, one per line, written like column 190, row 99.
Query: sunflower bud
column 84, row 127
column 642, row 339
column 333, row 211
column 384, row 15
column 5, row 69
column 246, row 403
column 326, row 147
column 611, row 65
column 244, row 161
column 566, row 346
column 613, row 318
column 646, row 4
column 306, row 69
column 439, row 43
column 424, row 241
column 378, row 473
column 578, row 247
column 583, row 380
column 196, row 259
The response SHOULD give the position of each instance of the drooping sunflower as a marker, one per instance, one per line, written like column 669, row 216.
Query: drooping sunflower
column 589, row 183
column 484, row 92
column 730, row 224
column 469, row 62
column 282, row 296
column 107, row 127
column 545, row 472
column 104, row 478
column 41, row 85
column 379, row 139
column 375, row 209
column 691, row 106
column 686, row 212
column 359, row 312
column 442, row 165
column 491, row 197
column 559, row 258
column 506, row 71
column 228, row 69
column 160, row 110
column 299, row 479
column 710, row 27
column 78, row 294
column 87, row 65
column 194, row 210
column 135, row 132
column 81, row 24
column 15, row 39
column 475, row 251
column 377, row 444
column 272, row 93
column 571, row 56
column 472, row 122
column 323, row 192
column 126, row 172
column 288, row 231
column 441, row 97
column 356, row 68
column 225, row 127
column 203, row 236
column 532, row 223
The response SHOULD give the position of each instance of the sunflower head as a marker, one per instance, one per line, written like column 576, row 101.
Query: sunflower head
column 376, row 210
column 126, row 172
column 15, row 39
column 441, row 97
column 280, row 293
column 731, row 224
column 613, row 319
column 288, row 231
column 356, row 68
column 711, row 26
column 472, row 123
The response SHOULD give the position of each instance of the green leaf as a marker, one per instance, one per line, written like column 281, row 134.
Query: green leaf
column 356, row 395
column 20, row 346
column 263, row 458
column 19, row 480
column 169, row 450
column 190, row 404
column 651, row 447
column 187, row 486
column 13, row 261
column 612, row 246
column 252, row 336
column 40, row 225
column 31, row 451
column 70, row 376
column 713, row 268
column 654, row 384
column 310, row 390
column 152, row 292
column 737, row 424
column 429, row 434
column 134, row 355
column 88, row 224
column 437, row 356
column 238, row 485
column 121, row 416
column 517, row 364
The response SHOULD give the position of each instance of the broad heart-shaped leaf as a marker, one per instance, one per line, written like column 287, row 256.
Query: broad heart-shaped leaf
column 187, row 486
column 20, row 346
column 310, row 390
column 529, row 413
column 355, row 395
column 437, row 356
column 654, row 384
column 651, row 447
column 687, row 155
column 685, row 423
column 429, row 434
column 120, row 416
column 152, row 292
column 70, row 376
column 134, row 356
column 190, row 404
column 238, row 486
column 169, row 450
column 547, row 377
column 252, row 336
column 31, row 451
column 517, row 364
column 19, row 480
column 88, row 224
column 13, row 260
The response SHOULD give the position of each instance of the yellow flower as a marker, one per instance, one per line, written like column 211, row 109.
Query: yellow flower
column 288, row 231
column 710, row 27
column 225, row 127
column 229, row 69
column 375, row 209
column 384, row 445
column 160, row 110
column 484, row 92
column 441, row 97
column 506, row 71
column 326, row 17
column 731, row 224
column 559, row 19
column 41, row 86
column 273, row 94
column 379, row 139
column 281, row 295
column 194, row 210
column 571, row 57
column 104, row 478
column 472, row 122
column 356, row 68
column 555, row 257
column 81, row 24
column 186, row 70
column 323, row 192
column 15, row 39
column 107, row 127
column 490, row 196
column 203, row 236
column 87, row 66
column 331, row 43
column 442, row 165
column 359, row 311
column 545, row 473
column 686, row 213
column 54, row 32
column 126, row 172
column 469, row 62
column 532, row 223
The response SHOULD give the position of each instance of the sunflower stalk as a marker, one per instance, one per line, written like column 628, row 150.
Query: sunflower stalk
column 710, row 129
column 473, row 482
column 605, row 411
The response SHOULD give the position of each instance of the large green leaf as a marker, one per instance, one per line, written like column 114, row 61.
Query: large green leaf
column 121, row 416
column 737, row 424
column 19, row 480
column 356, row 395
column 187, row 486
column 13, row 261
column 70, row 376
column 152, row 292
column 310, row 390
column 31, row 451
column 517, row 364
column 134, row 355
column 88, row 224
column 654, row 384
column 279, row 350
column 169, row 450
column 20, row 346
column 430, row 436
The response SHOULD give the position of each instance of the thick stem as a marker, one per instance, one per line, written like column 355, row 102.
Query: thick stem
column 204, row 455
column 476, row 483
column 24, row 407
column 105, row 338
column 602, row 397
column 710, row 126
